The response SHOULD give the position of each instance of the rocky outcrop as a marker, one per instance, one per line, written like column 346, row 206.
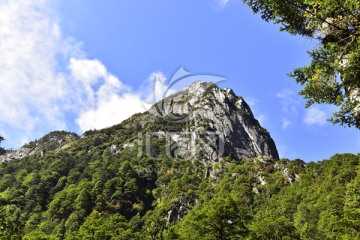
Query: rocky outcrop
column 215, row 123
column 53, row 141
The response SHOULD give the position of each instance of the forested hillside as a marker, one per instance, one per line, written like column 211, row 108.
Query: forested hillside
column 214, row 176
column 95, row 194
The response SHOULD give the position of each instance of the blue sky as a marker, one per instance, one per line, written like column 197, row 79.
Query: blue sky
column 79, row 65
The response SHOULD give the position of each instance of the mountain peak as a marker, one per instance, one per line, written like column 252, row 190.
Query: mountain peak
column 207, row 108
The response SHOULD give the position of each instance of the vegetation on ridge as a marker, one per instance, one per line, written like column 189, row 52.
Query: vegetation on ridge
column 90, row 191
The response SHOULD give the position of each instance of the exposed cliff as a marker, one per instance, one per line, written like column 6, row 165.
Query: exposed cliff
column 216, row 117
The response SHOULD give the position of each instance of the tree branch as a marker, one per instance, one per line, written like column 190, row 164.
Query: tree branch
column 321, row 19
column 347, row 10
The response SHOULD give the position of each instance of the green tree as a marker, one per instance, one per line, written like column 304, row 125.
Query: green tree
column 352, row 209
column 2, row 150
column 219, row 219
column 10, row 222
column 154, row 225
column 38, row 235
column 333, row 76
column 271, row 226
column 104, row 226
column 83, row 201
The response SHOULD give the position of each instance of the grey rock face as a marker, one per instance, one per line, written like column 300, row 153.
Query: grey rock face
column 215, row 122
column 53, row 141
column 179, row 211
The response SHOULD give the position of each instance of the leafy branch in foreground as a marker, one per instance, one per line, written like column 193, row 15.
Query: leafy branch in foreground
column 333, row 76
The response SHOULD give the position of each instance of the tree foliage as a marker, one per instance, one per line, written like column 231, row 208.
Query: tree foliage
column 219, row 219
column 91, row 191
column 2, row 150
column 333, row 76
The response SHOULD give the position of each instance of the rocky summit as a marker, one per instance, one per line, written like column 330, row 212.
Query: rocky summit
column 221, row 117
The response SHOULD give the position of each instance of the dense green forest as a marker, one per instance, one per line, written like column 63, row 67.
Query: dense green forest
column 87, row 190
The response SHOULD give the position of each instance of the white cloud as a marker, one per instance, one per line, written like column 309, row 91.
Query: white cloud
column 156, row 88
column 46, row 83
column 110, row 104
column 286, row 123
column 88, row 71
column 222, row 3
column 315, row 116
column 289, row 101
column 31, row 88
column 109, row 111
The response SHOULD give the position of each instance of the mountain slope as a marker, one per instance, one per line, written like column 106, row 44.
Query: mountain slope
column 195, row 166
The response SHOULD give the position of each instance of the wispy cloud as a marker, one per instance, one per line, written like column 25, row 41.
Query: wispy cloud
column 31, row 87
column 260, row 116
column 289, row 107
column 156, row 88
column 315, row 116
column 222, row 3
column 286, row 123
column 45, row 78
column 288, row 101
column 107, row 101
